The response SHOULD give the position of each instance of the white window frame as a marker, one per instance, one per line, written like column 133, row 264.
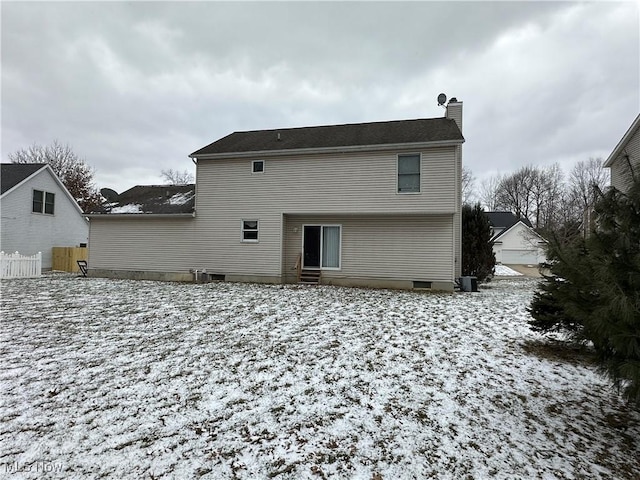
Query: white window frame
column 419, row 155
column 243, row 230
column 322, row 226
column 253, row 167
column 43, row 210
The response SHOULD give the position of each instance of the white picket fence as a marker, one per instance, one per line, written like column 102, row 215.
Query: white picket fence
column 14, row 265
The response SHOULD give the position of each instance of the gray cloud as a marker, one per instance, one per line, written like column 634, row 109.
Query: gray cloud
column 135, row 87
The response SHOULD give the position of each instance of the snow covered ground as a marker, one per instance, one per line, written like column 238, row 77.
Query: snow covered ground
column 130, row 379
column 504, row 271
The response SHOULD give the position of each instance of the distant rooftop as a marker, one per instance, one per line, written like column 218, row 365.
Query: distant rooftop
column 154, row 199
column 505, row 219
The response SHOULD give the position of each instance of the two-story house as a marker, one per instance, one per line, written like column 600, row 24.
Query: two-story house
column 38, row 212
column 370, row 204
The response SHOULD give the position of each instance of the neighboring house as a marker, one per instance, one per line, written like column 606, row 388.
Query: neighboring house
column 38, row 212
column 371, row 204
column 515, row 241
column 625, row 157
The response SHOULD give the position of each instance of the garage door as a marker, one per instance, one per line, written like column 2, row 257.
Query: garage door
column 520, row 257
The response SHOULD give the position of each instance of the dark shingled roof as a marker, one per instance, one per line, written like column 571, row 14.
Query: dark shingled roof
column 335, row 136
column 505, row 220
column 154, row 199
column 13, row 173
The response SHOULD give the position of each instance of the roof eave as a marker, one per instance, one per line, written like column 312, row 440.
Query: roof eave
column 507, row 230
column 141, row 215
column 341, row 149
column 623, row 142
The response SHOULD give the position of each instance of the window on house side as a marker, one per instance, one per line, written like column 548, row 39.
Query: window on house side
column 409, row 173
column 249, row 230
column 43, row 202
column 49, row 201
column 38, row 201
column 257, row 166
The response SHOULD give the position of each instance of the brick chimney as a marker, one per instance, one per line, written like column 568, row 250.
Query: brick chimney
column 454, row 111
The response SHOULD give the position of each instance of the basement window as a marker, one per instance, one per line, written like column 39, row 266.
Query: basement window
column 250, row 230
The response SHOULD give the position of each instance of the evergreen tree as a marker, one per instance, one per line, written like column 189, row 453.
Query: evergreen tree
column 478, row 258
column 594, row 290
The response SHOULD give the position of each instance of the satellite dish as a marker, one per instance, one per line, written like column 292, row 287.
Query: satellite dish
column 441, row 99
column 110, row 195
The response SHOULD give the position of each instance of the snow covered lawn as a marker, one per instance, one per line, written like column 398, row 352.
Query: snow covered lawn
column 129, row 379
column 504, row 271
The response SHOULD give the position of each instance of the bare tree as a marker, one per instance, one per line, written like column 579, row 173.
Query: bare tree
column 542, row 195
column 515, row 192
column 535, row 193
column 174, row 177
column 74, row 172
column 584, row 180
column 488, row 195
column 468, row 184
column 548, row 194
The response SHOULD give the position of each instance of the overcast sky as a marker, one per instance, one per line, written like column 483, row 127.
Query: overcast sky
column 134, row 88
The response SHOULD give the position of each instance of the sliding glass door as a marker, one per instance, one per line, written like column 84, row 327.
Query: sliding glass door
column 321, row 245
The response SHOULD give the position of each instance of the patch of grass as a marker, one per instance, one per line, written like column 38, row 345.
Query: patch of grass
column 560, row 351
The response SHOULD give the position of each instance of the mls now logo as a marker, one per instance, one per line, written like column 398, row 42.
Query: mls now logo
column 34, row 467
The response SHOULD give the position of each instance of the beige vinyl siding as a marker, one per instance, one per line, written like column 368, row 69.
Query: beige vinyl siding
column 153, row 245
column 357, row 183
column 401, row 247
column 620, row 176
column 221, row 249
column 363, row 183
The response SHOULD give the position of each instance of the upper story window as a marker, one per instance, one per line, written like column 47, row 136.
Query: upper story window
column 409, row 173
column 250, row 230
column 43, row 202
column 257, row 166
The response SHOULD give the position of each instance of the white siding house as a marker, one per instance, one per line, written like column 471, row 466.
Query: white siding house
column 515, row 242
column 372, row 204
column 519, row 245
column 38, row 212
column 625, row 157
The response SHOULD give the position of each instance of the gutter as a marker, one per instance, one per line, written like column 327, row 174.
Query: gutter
column 140, row 215
column 341, row 149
